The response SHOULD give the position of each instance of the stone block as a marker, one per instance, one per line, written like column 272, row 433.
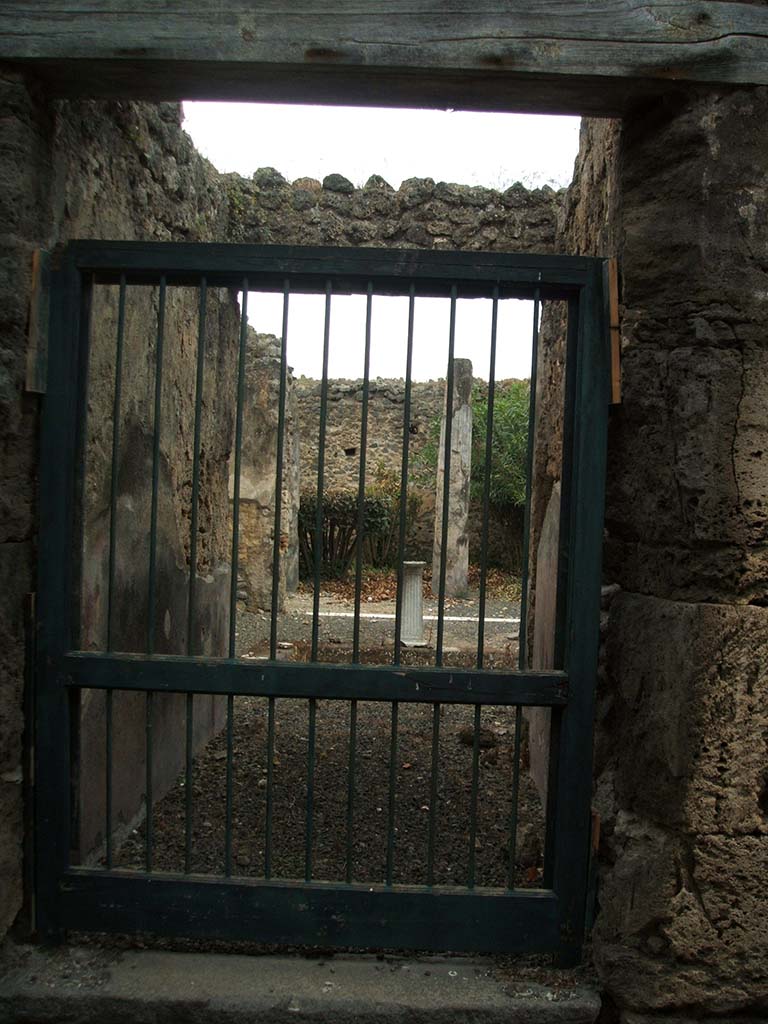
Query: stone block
column 16, row 576
column 689, row 430
column 681, row 922
column 11, row 885
column 681, row 754
column 689, row 685
column 698, row 156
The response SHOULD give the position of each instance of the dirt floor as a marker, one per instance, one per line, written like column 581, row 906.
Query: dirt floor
column 384, row 817
column 375, row 809
column 371, row 804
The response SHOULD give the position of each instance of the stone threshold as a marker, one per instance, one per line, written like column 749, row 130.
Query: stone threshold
column 87, row 984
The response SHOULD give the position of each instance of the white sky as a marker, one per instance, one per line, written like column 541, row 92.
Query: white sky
column 494, row 150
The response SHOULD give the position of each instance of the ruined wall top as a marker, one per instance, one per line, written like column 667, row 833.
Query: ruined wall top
column 421, row 214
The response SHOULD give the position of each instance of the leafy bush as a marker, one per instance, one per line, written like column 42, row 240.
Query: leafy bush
column 509, row 451
column 381, row 521
column 381, row 543
column 338, row 534
column 509, row 442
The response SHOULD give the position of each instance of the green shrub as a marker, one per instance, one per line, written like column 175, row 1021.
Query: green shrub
column 381, row 522
column 338, row 533
column 509, row 442
column 381, row 542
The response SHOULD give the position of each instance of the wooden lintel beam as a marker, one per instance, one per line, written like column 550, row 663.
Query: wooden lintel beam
column 590, row 56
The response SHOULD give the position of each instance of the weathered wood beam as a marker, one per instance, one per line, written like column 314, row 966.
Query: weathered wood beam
column 591, row 56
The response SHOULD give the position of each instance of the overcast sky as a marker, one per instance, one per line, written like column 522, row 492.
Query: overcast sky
column 494, row 150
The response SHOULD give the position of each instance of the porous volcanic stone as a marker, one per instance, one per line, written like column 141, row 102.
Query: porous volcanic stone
column 687, row 691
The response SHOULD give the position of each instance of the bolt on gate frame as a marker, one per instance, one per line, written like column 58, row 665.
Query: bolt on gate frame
column 346, row 912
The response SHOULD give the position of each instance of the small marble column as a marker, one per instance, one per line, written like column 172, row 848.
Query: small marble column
column 412, row 627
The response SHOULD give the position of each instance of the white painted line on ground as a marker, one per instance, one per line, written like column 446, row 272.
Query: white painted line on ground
column 427, row 618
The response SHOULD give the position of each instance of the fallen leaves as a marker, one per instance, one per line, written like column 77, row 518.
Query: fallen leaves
column 381, row 584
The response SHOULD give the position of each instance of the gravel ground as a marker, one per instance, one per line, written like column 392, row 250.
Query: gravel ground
column 377, row 629
column 372, row 765
column 371, row 808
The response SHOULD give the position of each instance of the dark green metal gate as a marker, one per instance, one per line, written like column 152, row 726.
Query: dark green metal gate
column 73, row 893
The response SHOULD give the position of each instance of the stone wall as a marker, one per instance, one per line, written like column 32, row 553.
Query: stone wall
column 588, row 225
column 385, row 452
column 421, row 214
column 680, row 193
column 385, row 426
column 384, row 442
column 78, row 170
column 129, row 607
column 258, row 475
column 25, row 217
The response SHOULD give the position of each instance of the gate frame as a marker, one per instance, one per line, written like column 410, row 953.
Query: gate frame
column 335, row 913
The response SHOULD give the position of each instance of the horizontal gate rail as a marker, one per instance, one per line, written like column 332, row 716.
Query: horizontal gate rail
column 317, row 913
column 182, row 263
column 177, row 674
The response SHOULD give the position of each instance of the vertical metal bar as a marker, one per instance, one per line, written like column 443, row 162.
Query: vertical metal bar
column 487, row 481
column 116, row 403
column 361, row 479
column 566, row 480
column 310, row 787
column 433, row 794
column 75, row 602
column 152, row 596
column 572, row 350
column 404, row 473
column 446, row 481
column 148, row 779
column 75, row 697
column 473, row 798
column 320, row 475
column 191, row 600
column 351, row 786
column 270, row 793
column 228, row 798
column 392, row 793
column 550, row 811
column 108, row 794
column 238, row 462
column 573, row 779
column 279, row 476
column 188, row 784
column 81, row 468
column 523, row 632
column 515, row 797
